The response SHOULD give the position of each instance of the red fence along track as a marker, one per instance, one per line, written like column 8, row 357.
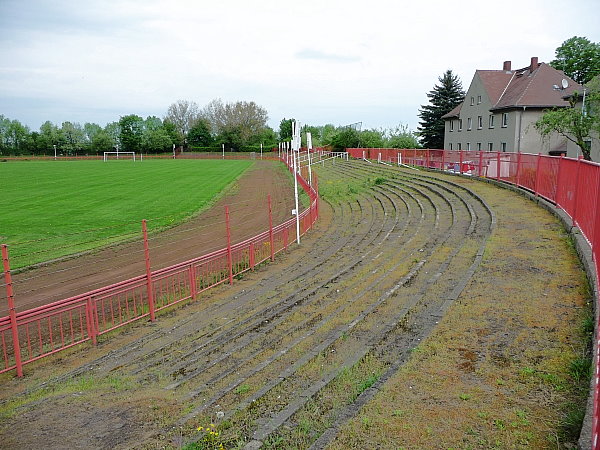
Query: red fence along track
column 572, row 184
column 29, row 335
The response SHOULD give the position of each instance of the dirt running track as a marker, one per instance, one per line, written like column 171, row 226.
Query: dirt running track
column 248, row 204
column 372, row 281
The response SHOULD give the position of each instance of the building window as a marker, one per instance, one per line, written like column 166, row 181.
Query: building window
column 503, row 145
column 504, row 120
column 479, row 122
column 472, row 101
column 468, row 146
column 459, row 124
column 452, row 125
column 469, row 124
column 479, row 146
column 490, row 146
column 459, row 146
column 491, row 121
column 450, row 145
column 479, row 99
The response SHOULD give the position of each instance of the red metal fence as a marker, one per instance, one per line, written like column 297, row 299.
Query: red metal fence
column 572, row 184
column 27, row 336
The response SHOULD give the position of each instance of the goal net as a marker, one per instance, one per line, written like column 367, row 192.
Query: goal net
column 119, row 155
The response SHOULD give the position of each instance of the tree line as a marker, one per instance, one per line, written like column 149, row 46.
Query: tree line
column 238, row 126
column 342, row 137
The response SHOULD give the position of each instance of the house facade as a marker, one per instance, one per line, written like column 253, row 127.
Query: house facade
column 502, row 106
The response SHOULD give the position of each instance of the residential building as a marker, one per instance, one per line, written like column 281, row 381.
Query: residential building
column 502, row 106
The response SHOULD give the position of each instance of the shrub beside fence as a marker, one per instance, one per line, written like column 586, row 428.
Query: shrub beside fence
column 573, row 185
column 29, row 335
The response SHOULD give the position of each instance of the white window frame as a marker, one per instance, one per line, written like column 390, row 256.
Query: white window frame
column 491, row 122
column 490, row 146
column 469, row 124
column 504, row 120
column 479, row 122
column 503, row 147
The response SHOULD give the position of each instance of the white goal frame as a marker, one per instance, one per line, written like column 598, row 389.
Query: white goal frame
column 118, row 153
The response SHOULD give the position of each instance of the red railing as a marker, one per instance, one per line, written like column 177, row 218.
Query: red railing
column 36, row 333
column 572, row 184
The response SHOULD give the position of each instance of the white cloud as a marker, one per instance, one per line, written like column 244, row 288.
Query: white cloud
column 318, row 61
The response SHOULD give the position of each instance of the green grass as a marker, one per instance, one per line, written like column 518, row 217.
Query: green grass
column 51, row 209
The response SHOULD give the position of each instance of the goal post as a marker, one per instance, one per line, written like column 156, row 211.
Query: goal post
column 119, row 155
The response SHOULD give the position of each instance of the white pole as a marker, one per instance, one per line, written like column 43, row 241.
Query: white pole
column 117, row 151
column 173, row 151
column 296, row 147
column 261, row 150
column 54, row 151
column 309, row 146
column 223, row 150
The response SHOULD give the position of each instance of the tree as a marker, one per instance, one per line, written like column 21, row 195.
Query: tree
column 573, row 122
column 401, row 137
column 132, row 127
column 371, row 139
column 442, row 99
column 285, row 129
column 102, row 142
column 183, row 114
column 199, row 135
column 73, row 137
column 156, row 140
column 578, row 58
column 235, row 123
column 345, row 138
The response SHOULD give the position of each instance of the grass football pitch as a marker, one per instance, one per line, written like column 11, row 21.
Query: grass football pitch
column 50, row 209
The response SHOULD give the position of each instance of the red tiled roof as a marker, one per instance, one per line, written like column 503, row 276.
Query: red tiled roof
column 532, row 88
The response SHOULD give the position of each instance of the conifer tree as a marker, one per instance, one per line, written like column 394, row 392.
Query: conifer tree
column 442, row 99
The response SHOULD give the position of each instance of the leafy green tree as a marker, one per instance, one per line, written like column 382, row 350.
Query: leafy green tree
column 371, row 139
column 285, row 130
column 442, row 99
column 14, row 136
column 131, row 132
column 578, row 58
column 102, row 142
column 113, row 130
column 199, row 135
column 171, row 130
column 401, row 137
column 156, row 140
column 90, row 130
column 73, row 137
column 573, row 122
column 345, row 138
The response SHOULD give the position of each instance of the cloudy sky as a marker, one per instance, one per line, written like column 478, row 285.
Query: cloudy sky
column 319, row 61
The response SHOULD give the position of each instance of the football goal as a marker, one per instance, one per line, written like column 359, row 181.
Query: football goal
column 119, row 155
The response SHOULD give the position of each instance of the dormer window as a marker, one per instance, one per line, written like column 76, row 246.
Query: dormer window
column 472, row 101
column 479, row 99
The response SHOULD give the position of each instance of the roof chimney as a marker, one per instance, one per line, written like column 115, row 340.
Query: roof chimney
column 506, row 66
column 534, row 63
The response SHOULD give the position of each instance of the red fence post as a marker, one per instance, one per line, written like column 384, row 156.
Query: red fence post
column 193, row 288
column 91, row 322
column 149, row 288
column 443, row 154
column 251, row 255
column 537, row 174
column 271, row 239
column 11, row 309
column 480, row 163
column 229, row 258
column 460, row 161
